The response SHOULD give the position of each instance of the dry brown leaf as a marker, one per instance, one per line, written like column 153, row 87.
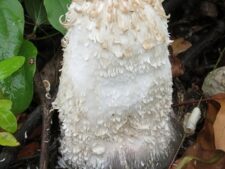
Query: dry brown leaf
column 29, row 150
column 204, row 147
column 177, row 66
column 180, row 45
column 219, row 124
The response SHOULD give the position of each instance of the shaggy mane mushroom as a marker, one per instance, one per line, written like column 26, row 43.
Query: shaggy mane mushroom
column 115, row 91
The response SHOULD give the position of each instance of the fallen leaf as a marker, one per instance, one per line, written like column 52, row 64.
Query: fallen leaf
column 219, row 124
column 180, row 45
column 209, row 139
column 29, row 150
column 177, row 66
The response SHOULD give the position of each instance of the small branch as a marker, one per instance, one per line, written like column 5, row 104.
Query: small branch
column 46, row 37
column 190, row 102
column 220, row 58
column 8, row 154
column 195, row 102
column 46, row 119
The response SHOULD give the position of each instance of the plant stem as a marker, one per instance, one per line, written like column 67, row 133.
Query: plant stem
column 46, row 120
column 219, row 59
column 46, row 37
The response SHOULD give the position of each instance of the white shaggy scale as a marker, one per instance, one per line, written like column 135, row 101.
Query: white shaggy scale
column 115, row 89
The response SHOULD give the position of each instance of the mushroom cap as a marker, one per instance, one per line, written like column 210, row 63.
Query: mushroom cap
column 115, row 89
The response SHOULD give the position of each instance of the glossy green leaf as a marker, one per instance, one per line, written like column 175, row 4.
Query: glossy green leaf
column 55, row 9
column 5, row 104
column 19, row 87
column 36, row 10
column 8, row 120
column 11, row 28
column 7, row 139
column 9, row 66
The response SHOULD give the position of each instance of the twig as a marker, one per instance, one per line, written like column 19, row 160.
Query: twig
column 196, row 101
column 46, row 119
column 220, row 58
column 177, row 151
column 8, row 154
column 46, row 37
column 190, row 102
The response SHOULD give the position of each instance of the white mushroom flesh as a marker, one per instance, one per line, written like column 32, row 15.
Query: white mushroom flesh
column 115, row 91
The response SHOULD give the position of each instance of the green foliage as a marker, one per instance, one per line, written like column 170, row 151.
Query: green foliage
column 17, row 56
column 5, row 104
column 55, row 9
column 19, row 87
column 11, row 27
column 7, row 118
column 36, row 10
column 7, row 139
column 9, row 66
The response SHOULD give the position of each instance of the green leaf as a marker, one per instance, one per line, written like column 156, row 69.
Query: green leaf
column 8, row 120
column 55, row 9
column 7, row 139
column 5, row 104
column 36, row 10
column 11, row 28
column 9, row 66
column 19, row 87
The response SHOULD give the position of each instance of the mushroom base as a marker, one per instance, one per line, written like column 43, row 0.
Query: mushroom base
column 127, row 152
